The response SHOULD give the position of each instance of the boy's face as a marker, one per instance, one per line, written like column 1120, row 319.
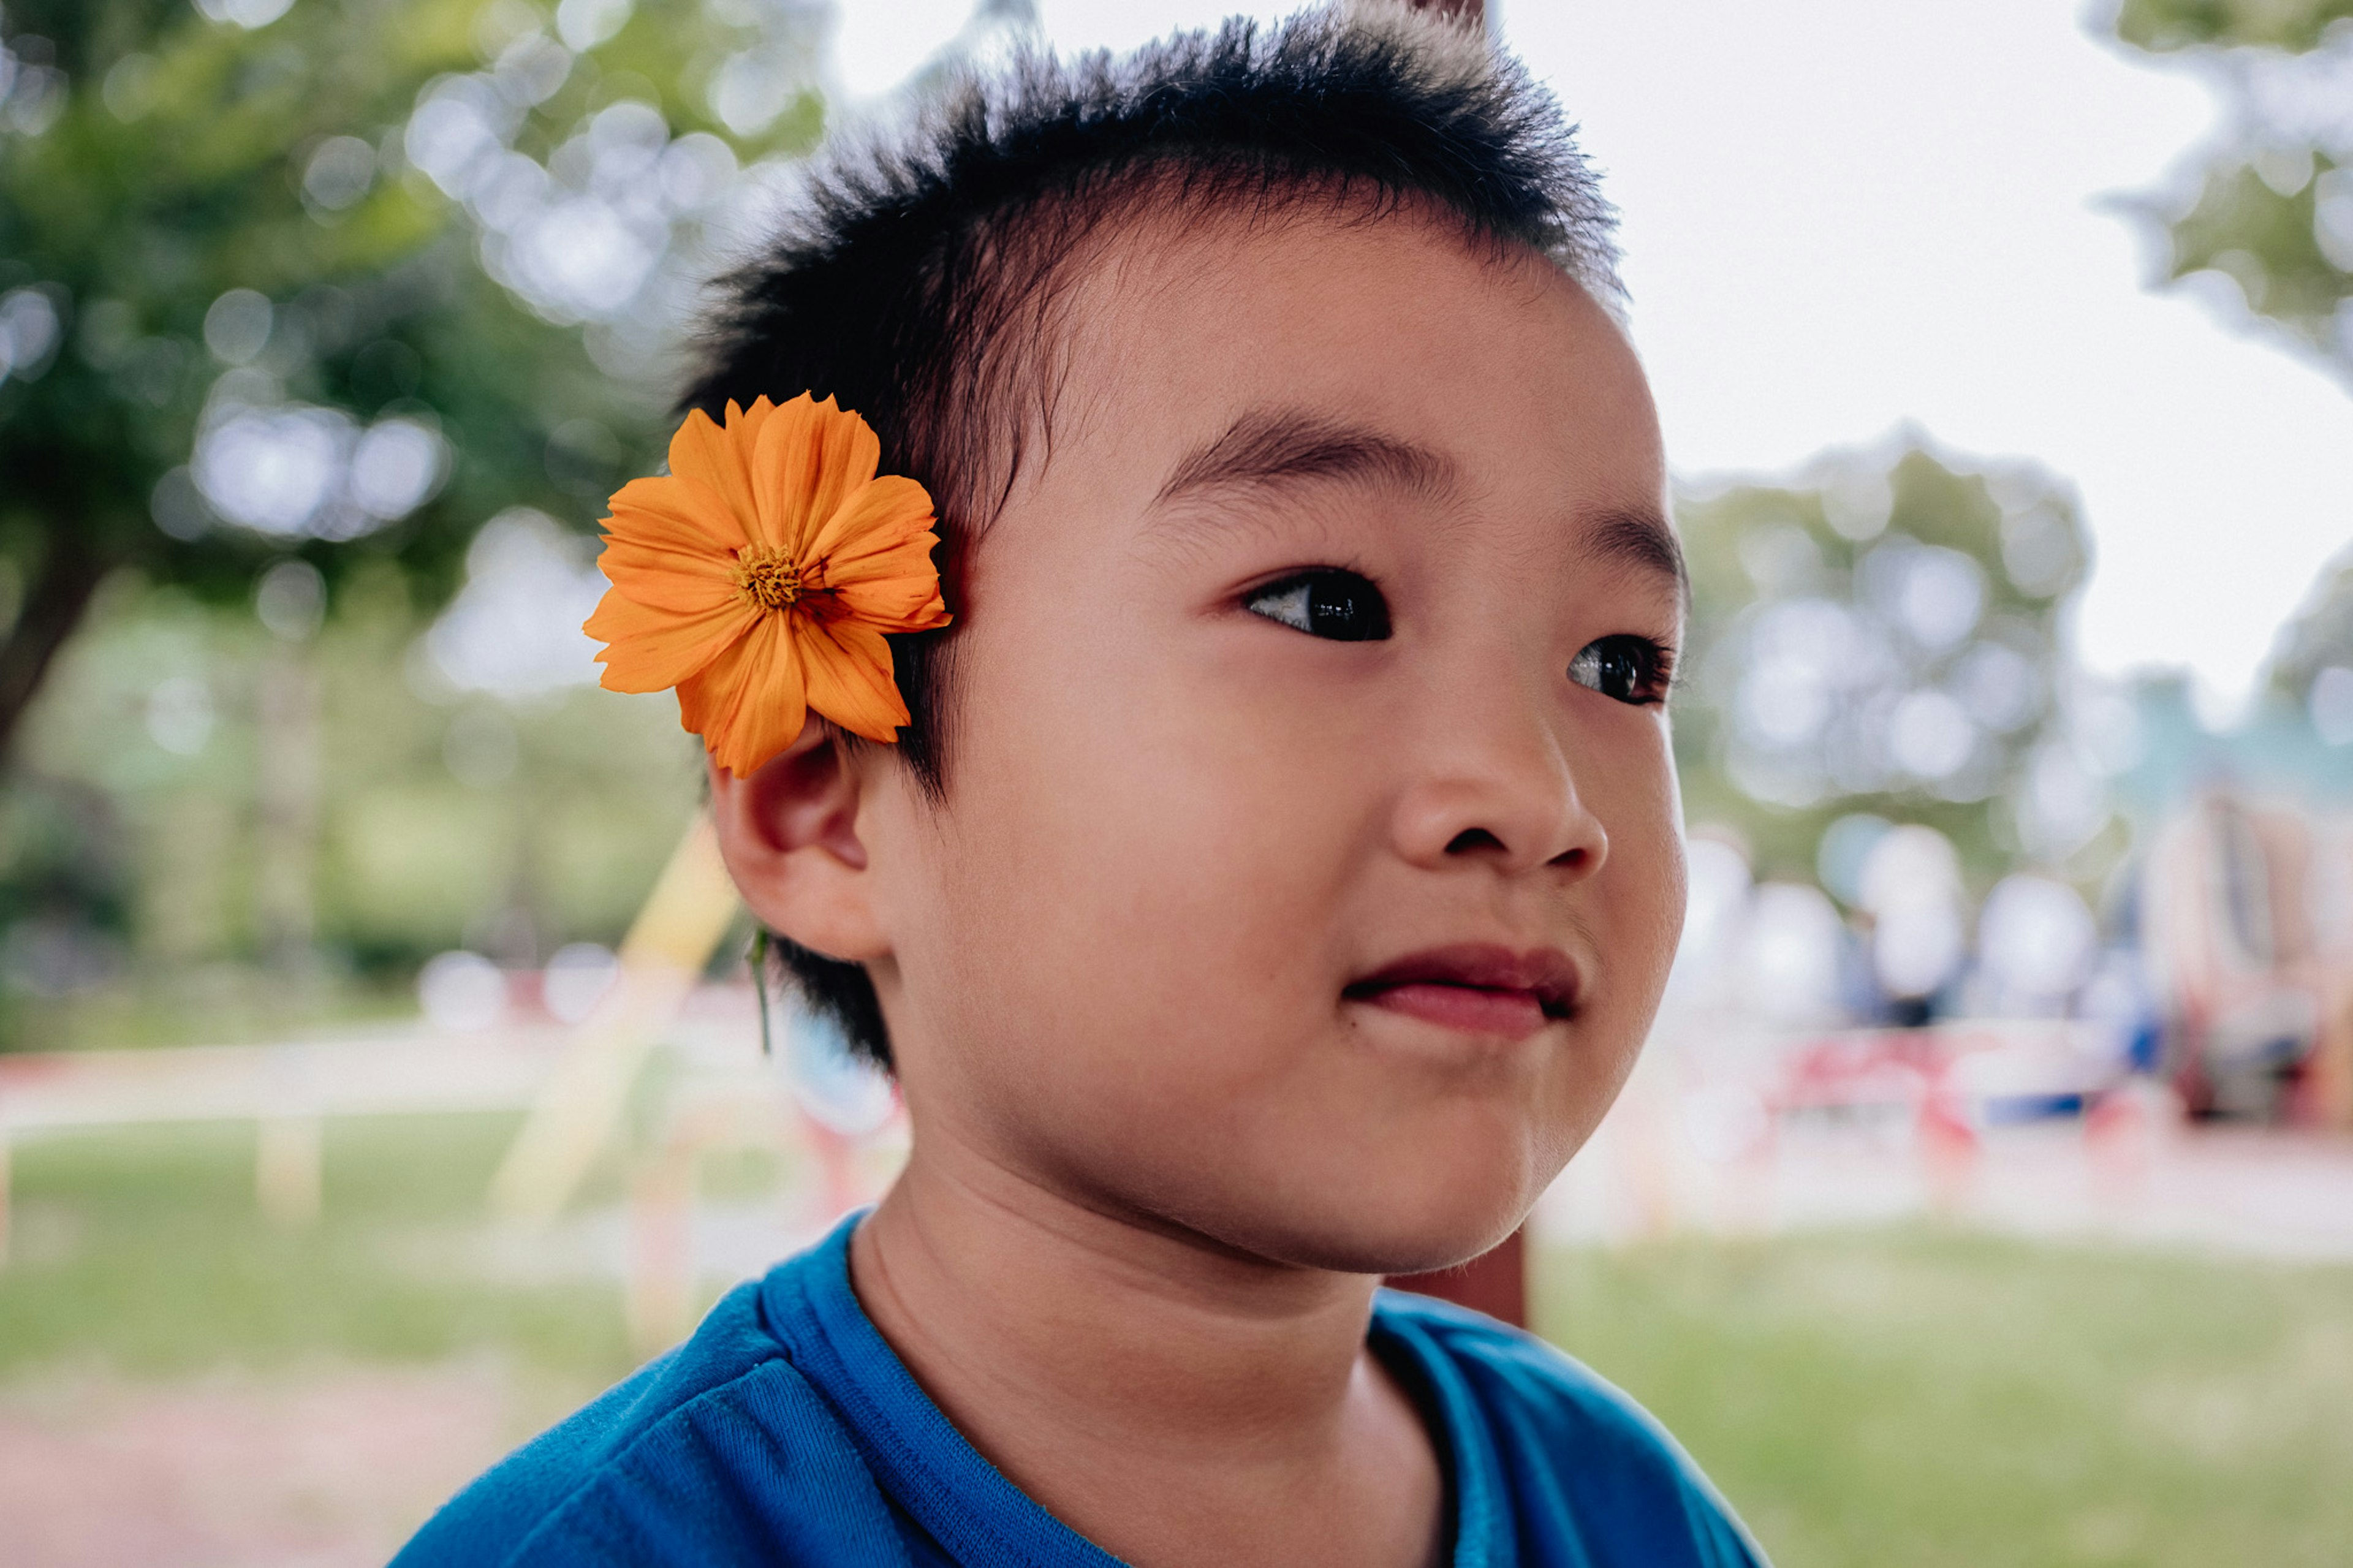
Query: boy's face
column 1309, row 868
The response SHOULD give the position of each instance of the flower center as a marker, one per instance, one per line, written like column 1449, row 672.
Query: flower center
column 771, row 578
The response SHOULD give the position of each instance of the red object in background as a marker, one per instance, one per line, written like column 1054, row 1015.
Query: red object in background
column 1496, row 1283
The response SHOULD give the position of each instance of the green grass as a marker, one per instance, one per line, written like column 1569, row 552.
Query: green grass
column 1926, row 1399
column 144, row 1250
column 1906, row 1397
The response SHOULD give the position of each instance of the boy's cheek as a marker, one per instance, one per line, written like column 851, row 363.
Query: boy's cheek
column 1642, row 886
column 1161, row 922
column 1137, row 897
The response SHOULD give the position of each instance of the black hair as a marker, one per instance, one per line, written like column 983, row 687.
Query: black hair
column 918, row 278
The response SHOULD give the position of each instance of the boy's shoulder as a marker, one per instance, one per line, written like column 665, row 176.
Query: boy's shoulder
column 667, row 1465
column 1584, row 1473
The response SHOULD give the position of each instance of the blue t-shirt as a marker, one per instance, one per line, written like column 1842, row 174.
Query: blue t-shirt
column 788, row 1432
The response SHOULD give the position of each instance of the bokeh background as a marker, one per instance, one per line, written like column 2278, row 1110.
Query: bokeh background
column 380, row 1074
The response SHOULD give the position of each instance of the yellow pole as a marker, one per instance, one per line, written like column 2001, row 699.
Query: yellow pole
column 288, row 1168
column 667, row 948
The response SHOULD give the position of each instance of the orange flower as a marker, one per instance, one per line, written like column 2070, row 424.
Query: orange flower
column 759, row 574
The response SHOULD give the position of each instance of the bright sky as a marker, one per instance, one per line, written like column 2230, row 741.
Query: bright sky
column 1843, row 216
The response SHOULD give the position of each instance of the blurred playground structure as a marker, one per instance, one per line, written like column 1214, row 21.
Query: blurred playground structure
column 2250, row 924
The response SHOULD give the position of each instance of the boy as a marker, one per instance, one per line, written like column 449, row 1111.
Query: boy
column 1277, row 866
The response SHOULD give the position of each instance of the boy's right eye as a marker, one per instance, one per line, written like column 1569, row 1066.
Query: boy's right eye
column 1324, row 602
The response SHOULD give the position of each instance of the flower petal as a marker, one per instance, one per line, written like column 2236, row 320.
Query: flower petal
column 852, row 453
column 650, row 650
column 877, row 556
column 906, row 600
column 658, row 552
column 897, row 604
column 743, row 429
column 704, row 452
column 750, row 704
column 779, row 463
column 875, row 516
column 809, row 458
column 666, row 580
column 743, row 424
column 676, row 512
column 850, row 676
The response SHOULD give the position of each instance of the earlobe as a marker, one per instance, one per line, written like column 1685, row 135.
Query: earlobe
column 789, row 834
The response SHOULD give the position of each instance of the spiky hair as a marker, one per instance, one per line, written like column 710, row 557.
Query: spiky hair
column 921, row 277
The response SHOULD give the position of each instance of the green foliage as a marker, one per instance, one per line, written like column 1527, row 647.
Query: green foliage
column 131, row 839
column 2193, row 24
column 2319, row 636
column 173, row 176
column 2270, row 206
column 1888, row 641
column 1935, row 1399
column 240, row 263
column 2263, row 234
column 221, row 221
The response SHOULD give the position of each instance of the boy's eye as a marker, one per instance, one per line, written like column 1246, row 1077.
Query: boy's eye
column 1629, row 668
column 1324, row 602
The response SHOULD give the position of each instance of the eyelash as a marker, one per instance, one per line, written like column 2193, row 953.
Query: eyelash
column 1315, row 602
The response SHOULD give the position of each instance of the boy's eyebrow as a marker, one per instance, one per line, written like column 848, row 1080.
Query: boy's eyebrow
column 1640, row 537
column 1272, row 447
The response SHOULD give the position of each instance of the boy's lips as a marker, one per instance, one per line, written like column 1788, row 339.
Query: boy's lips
column 1477, row 987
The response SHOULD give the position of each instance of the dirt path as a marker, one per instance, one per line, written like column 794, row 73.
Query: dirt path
column 315, row 1466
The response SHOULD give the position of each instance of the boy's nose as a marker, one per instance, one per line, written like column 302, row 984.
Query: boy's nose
column 1496, row 785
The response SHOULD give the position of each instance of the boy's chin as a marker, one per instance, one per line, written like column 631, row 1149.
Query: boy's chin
column 1386, row 1251
column 1412, row 1234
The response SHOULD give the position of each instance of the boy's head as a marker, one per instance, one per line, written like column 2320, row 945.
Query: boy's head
column 1285, row 847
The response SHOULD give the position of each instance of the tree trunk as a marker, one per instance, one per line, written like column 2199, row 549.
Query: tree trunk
column 54, row 603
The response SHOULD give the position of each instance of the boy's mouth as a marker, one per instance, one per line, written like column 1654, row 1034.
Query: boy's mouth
column 1477, row 987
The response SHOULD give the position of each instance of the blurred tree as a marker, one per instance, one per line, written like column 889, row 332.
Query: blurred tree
column 2312, row 661
column 133, row 902
column 2269, row 204
column 341, row 279
column 1886, row 641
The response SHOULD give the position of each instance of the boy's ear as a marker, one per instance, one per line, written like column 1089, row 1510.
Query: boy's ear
column 789, row 835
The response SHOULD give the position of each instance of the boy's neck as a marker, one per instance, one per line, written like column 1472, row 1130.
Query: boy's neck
column 1170, row 1398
